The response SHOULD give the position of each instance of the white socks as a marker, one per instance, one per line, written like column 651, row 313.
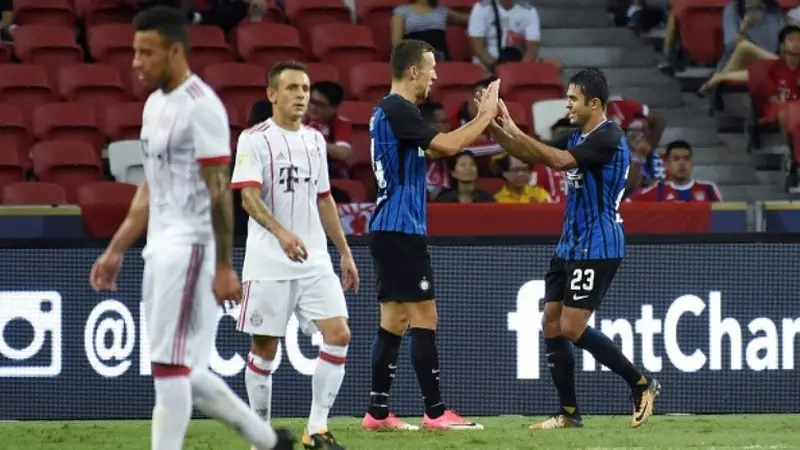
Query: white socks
column 172, row 412
column 326, row 383
column 213, row 397
column 258, row 381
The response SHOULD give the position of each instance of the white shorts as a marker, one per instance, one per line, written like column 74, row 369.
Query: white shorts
column 181, row 308
column 268, row 304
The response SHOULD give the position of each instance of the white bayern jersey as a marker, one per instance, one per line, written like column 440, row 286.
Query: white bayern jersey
column 182, row 130
column 291, row 170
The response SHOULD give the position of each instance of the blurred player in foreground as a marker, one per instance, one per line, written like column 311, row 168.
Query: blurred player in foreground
column 186, row 206
column 596, row 159
column 282, row 170
column 400, row 136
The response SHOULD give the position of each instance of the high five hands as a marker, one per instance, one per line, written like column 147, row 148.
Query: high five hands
column 488, row 100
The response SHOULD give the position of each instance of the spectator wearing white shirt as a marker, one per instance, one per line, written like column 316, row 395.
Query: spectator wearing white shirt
column 504, row 30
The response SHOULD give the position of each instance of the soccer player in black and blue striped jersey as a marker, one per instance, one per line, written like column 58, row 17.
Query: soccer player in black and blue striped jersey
column 596, row 159
column 400, row 138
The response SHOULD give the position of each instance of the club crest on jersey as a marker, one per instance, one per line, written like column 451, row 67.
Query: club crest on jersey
column 575, row 178
column 424, row 285
column 256, row 319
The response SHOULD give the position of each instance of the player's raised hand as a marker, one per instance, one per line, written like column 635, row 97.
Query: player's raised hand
column 226, row 287
column 103, row 276
column 489, row 99
column 504, row 117
column 350, row 278
column 293, row 246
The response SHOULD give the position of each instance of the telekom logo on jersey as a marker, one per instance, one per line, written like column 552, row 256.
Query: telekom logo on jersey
column 110, row 337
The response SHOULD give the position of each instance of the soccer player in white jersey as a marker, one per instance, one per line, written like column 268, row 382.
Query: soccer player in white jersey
column 187, row 208
column 282, row 170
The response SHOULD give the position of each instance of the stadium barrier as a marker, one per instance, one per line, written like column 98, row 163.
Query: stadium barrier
column 717, row 323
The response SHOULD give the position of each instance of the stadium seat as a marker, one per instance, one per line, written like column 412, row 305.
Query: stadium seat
column 97, row 85
column 265, row 44
column 322, row 72
column 111, row 44
column 44, row 12
column 239, row 85
column 343, row 46
column 12, row 166
column 355, row 190
column 14, row 134
column 363, row 173
column 68, row 122
column 464, row 6
column 458, row 44
column 377, row 15
column 50, row 46
column 24, row 85
column 208, row 47
column 307, row 15
column 136, row 88
column 33, row 193
column 489, row 184
column 699, row 24
column 520, row 115
column 101, row 12
column 545, row 114
column 454, row 81
column 67, row 164
column 104, row 205
column 529, row 82
column 5, row 53
column 123, row 121
column 359, row 114
column 125, row 161
column 371, row 81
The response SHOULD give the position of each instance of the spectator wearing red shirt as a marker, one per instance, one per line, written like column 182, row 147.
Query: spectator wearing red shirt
column 326, row 96
column 783, row 78
column 680, row 186
column 627, row 113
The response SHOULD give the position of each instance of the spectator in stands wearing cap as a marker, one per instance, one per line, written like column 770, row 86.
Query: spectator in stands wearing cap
column 517, row 187
column 326, row 96
column 504, row 30
column 465, row 173
column 427, row 21
column 680, row 186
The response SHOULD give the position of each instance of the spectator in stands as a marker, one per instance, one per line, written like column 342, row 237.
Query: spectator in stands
column 326, row 96
column 751, row 30
column 438, row 175
column 427, row 21
column 6, row 20
column 517, row 187
column 504, row 30
column 680, row 186
column 647, row 167
column 624, row 111
column 783, row 78
column 465, row 173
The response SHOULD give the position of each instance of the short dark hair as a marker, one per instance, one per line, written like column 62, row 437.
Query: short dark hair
column 283, row 66
column 167, row 21
column 674, row 145
column 501, row 162
column 406, row 54
column 332, row 90
column 259, row 112
column 592, row 83
column 786, row 31
column 428, row 109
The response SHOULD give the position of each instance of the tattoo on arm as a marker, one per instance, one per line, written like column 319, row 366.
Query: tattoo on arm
column 255, row 207
column 219, row 187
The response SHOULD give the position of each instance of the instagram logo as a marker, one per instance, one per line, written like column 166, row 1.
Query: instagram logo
column 27, row 320
column 109, row 338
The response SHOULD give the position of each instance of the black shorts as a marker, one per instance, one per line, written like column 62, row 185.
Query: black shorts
column 403, row 269
column 579, row 284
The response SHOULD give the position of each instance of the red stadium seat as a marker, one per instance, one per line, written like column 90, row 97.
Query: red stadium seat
column 322, row 72
column 93, row 84
column 359, row 114
column 112, row 44
column 68, row 122
column 33, row 193
column 208, row 47
column 100, row 12
column 529, row 82
column 377, row 15
column 51, row 46
column 307, row 15
column 363, row 174
column 371, row 81
column 521, row 115
column 67, row 164
column 454, row 81
column 5, row 53
column 136, row 88
column 699, row 24
column 464, row 6
column 266, row 44
column 14, row 134
column 44, row 12
column 355, row 190
column 343, row 46
column 458, row 44
column 104, row 205
column 12, row 167
column 238, row 85
column 123, row 121
column 24, row 85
